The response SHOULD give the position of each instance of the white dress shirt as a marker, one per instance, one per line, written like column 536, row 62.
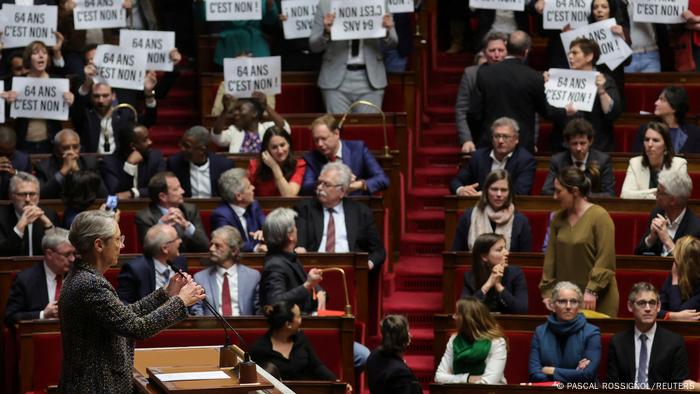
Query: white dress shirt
column 188, row 232
column 160, row 267
column 232, row 287
column 341, row 233
column 499, row 165
column 51, row 284
column 638, row 347
column 106, row 132
column 583, row 162
column 30, row 228
column 240, row 211
column 200, row 180
column 133, row 170
column 360, row 58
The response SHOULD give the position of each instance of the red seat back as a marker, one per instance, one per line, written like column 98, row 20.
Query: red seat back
column 539, row 223
column 629, row 229
column 127, row 224
column 538, row 182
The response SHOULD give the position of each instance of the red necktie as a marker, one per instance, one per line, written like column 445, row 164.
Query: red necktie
column 59, row 282
column 226, row 298
column 330, row 232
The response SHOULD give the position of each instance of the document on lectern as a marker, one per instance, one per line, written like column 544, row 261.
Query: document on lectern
column 203, row 375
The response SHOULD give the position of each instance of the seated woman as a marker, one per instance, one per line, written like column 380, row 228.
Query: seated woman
column 285, row 346
column 643, row 171
column 680, row 295
column 566, row 348
column 494, row 213
column 281, row 173
column 500, row 286
column 387, row 371
column 477, row 352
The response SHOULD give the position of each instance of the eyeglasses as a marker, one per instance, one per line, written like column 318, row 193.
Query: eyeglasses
column 171, row 241
column 645, row 303
column 504, row 137
column 66, row 254
column 26, row 194
column 326, row 185
column 122, row 238
column 572, row 302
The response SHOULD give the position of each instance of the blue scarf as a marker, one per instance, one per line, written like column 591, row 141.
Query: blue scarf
column 562, row 345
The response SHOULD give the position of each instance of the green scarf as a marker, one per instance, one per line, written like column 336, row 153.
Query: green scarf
column 470, row 357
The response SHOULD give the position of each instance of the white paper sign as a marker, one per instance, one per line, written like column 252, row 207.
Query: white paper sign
column 399, row 6
column 613, row 48
column 559, row 13
column 93, row 14
column 300, row 17
column 23, row 24
column 233, row 10
column 2, row 103
column 204, row 375
column 156, row 44
column 121, row 67
column 357, row 19
column 245, row 75
column 40, row 98
column 571, row 86
column 513, row 5
column 659, row 11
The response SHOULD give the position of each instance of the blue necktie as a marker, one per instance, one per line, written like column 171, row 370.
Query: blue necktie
column 642, row 367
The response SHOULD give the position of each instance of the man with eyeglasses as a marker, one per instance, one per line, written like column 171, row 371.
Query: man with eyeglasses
column 647, row 353
column 144, row 274
column 23, row 223
column 35, row 291
column 506, row 154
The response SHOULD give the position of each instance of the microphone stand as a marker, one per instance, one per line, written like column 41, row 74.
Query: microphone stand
column 348, row 307
column 369, row 104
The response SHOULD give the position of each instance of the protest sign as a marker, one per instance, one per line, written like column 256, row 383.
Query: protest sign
column 613, row 48
column 23, row 24
column 156, row 44
column 2, row 103
column 400, row 6
column 571, row 86
column 233, row 10
column 358, row 19
column 512, row 5
column 99, row 14
column 40, row 98
column 245, row 75
column 659, row 11
column 559, row 13
column 300, row 17
column 121, row 67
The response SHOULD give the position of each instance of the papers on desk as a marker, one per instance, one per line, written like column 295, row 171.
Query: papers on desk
column 205, row 375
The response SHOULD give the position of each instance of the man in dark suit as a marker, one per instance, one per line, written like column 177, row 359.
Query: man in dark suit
column 35, row 291
column 505, row 154
column 169, row 207
column 368, row 174
column 510, row 88
column 127, row 171
column 578, row 135
column 335, row 224
column 23, row 223
column 647, row 353
column 143, row 275
column 671, row 219
column 197, row 167
column 11, row 160
column 239, row 209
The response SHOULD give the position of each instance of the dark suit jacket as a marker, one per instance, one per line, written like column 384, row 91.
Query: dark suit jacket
column 217, row 165
column 198, row 242
column 521, row 168
column 520, row 235
column 224, row 215
column 359, row 224
column 692, row 144
column 356, row 156
column 689, row 225
column 282, row 279
column 10, row 243
column 563, row 159
column 112, row 170
column 388, row 373
column 137, row 278
column 52, row 188
column 28, row 296
column 668, row 361
column 21, row 162
column 513, row 299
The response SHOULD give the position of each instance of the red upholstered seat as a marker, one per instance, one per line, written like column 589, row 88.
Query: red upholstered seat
column 629, row 229
column 624, row 137
column 539, row 221
column 540, row 178
column 206, row 221
column 127, row 224
column 299, row 98
column 619, row 180
column 48, row 356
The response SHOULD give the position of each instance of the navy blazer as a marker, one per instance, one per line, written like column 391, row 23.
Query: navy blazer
column 116, row 180
column 671, row 300
column 356, row 156
column 692, row 144
column 513, row 299
column 225, row 215
column 137, row 278
column 521, row 167
column 218, row 164
column 563, row 159
column 28, row 296
column 689, row 225
column 520, row 235
column 21, row 162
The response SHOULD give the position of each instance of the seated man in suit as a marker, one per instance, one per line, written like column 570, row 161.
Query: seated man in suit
column 35, row 291
column 239, row 209
column 505, row 154
column 335, row 224
column 126, row 172
column 597, row 165
column 196, row 166
column 22, row 223
column 168, row 206
column 231, row 287
column 672, row 218
column 143, row 275
column 66, row 159
column 11, row 160
column 368, row 176
column 647, row 353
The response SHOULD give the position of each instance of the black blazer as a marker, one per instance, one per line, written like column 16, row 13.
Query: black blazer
column 388, row 373
column 689, row 225
column 28, row 296
column 116, row 180
column 282, row 279
column 51, row 188
column 359, row 224
column 520, row 235
column 521, row 168
column 198, row 242
column 692, row 144
column 668, row 361
column 181, row 167
column 563, row 159
column 10, row 243
column 21, row 162
column 137, row 278
column 511, row 300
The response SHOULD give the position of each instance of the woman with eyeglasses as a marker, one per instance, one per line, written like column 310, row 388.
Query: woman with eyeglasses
column 680, row 294
column 566, row 348
column 477, row 352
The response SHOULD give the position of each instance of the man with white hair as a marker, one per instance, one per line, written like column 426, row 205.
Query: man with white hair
column 671, row 219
